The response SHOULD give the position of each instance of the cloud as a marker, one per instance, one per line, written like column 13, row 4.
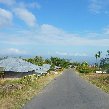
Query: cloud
column 95, row 7
column 6, row 18
column 46, row 28
column 53, row 36
column 98, row 6
column 8, row 2
column 35, row 5
column 79, row 54
column 106, row 31
column 70, row 54
column 30, row 5
column 15, row 51
column 61, row 53
column 15, row 3
column 26, row 16
column 15, row 39
column 22, row 10
column 12, row 51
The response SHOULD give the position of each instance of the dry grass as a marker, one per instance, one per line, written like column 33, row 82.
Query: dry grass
column 15, row 93
column 100, row 80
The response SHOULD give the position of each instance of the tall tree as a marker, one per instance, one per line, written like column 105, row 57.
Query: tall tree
column 99, row 54
column 96, row 56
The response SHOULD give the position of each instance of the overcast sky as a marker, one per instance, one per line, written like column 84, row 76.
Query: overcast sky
column 54, row 27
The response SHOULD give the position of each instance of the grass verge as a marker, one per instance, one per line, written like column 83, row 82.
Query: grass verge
column 100, row 80
column 15, row 93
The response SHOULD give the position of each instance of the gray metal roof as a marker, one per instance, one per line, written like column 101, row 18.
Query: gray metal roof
column 19, row 65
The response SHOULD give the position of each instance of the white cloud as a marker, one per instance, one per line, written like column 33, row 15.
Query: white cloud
column 79, row 54
column 95, row 6
column 50, row 29
column 70, row 54
column 30, row 5
column 61, row 53
column 15, row 51
column 106, row 31
column 35, row 5
column 26, row 16
column 21, row 10
column 6, row 18
column 8, row 2
column 98, row 6
column 12, row 51
column 52, row 36
column 23, row 4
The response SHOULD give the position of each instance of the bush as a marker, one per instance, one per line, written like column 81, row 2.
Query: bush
column 28, row 79
column 107, row 71
column 84, row 70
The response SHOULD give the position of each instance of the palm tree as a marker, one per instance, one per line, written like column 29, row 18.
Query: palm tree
column 99, row 54
column 96, row 56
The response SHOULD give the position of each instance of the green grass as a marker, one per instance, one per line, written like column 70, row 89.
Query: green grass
column 15, row 93
column 100, row 80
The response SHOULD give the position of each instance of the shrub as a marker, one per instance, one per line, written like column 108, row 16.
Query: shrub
column 28, row 79
column 107, row 71
column 84, row 70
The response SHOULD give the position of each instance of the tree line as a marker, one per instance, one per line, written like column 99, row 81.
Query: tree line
column 103, row 62
column 53, row 61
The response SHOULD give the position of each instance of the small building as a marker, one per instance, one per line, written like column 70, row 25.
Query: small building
column 57, row 68
column 100, row 72
column 16, row 68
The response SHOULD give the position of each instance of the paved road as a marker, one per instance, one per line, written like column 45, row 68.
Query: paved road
column 69, row 91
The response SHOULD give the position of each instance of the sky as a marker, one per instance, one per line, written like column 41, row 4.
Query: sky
column 54, row 27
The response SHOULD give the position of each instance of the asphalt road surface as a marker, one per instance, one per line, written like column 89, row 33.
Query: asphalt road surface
column 69, row 91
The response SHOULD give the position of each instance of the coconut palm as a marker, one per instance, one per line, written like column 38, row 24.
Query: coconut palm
column 99, row 54
column 96, row 56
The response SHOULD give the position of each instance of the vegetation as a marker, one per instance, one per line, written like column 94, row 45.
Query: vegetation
column 38, row 60
column 1, row 72
column 86, row 68
column 104, row 62
column 15, row 93
column 100, row 80
column 53, row 61
column 88, row 72
column 97, row 55
column 63, row 63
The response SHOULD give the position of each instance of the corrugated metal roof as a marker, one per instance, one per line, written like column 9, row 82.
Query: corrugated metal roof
column 19, row 65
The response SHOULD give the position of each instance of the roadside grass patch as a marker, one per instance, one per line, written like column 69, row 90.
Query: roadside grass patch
column 100, row 80
column 16, row 92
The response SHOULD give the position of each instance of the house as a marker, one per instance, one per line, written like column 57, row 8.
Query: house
column 17, row 67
